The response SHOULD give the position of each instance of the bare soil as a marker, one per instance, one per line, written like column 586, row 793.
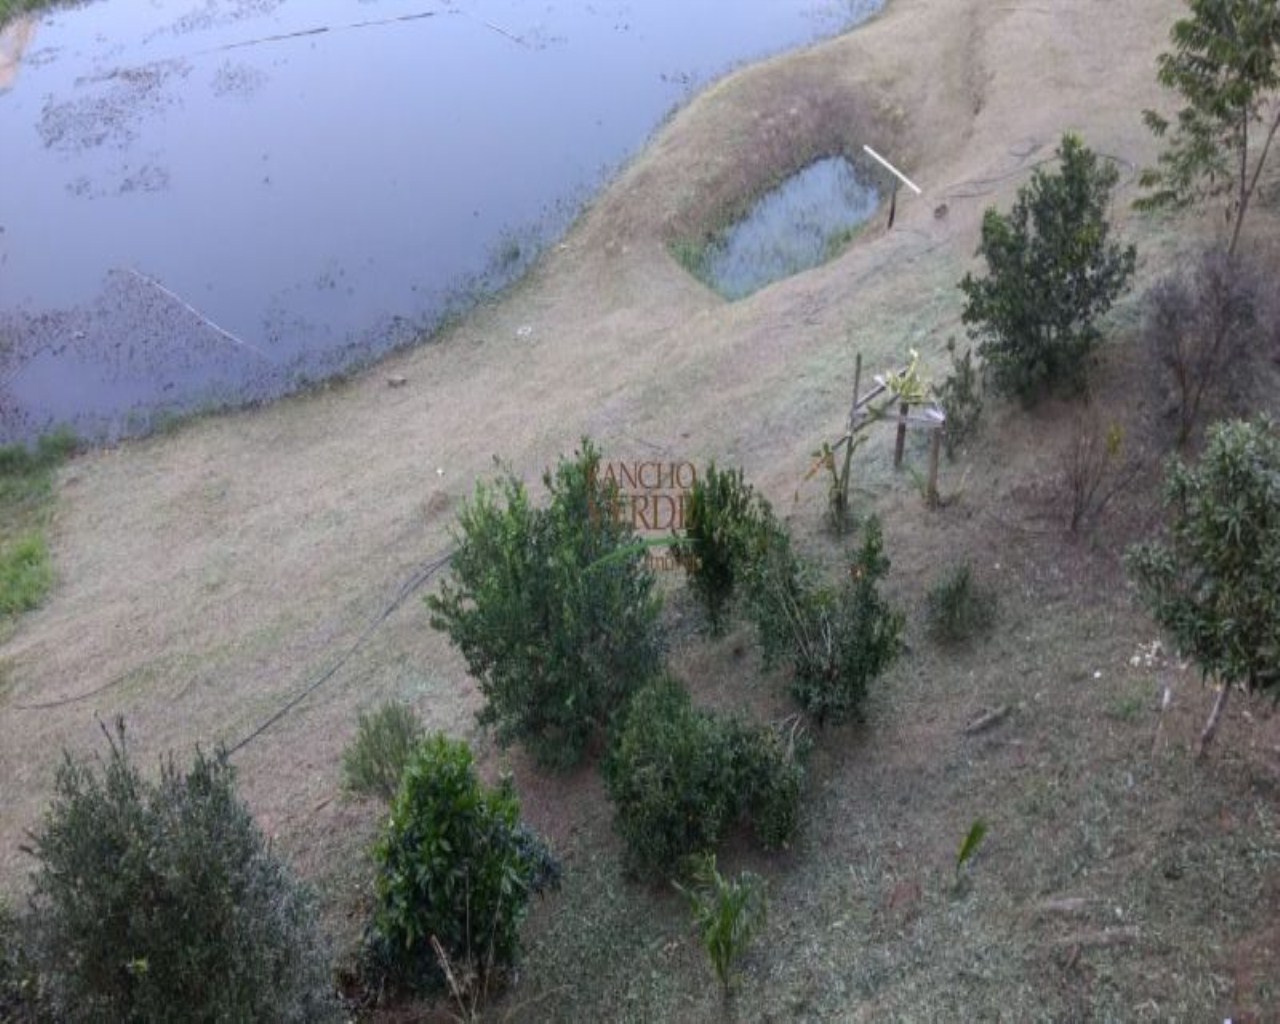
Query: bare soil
column 208, row 576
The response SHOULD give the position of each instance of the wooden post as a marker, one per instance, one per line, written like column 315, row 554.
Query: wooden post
column 901, row 444
column 935, row 447
column 843, row 511
column 857, row 385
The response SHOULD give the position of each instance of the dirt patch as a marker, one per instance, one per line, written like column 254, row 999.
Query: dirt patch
column 207, row 577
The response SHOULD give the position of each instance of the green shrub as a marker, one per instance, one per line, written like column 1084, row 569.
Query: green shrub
column 692, row 255
column 1214, row 580
column 25, row 574
column 19, row 982
column 1051, row 272
column 960, row 397
column 769, row 766
column 375, row 760
column 456, row 864
column 727, row 914
column 670, row 775
column 778, row 582
column 958, row 607
column 553, row 608
column 837, row 640
column 161, row 901
column 725, row 525
column 680, row 777
column 50, row 449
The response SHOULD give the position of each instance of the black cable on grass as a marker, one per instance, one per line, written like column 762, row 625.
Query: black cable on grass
column 413, row 584
column 64, row 701
column 979, row 187
column 417, row 581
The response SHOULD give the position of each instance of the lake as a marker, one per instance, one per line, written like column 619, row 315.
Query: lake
column 215, row 202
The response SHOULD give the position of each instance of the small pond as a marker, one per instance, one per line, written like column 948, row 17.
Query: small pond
column 798, row 225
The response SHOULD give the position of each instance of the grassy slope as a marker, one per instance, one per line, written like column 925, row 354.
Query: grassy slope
column 214, row 571
column 26, row 504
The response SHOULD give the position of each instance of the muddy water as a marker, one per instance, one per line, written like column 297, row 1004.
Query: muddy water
column 213, row 201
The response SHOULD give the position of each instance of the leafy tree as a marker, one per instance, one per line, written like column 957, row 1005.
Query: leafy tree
column 1051, row 274
column 1214, row 582
column 454, row 864
column 553, row 608
column 161, row 901
column 1224, row 66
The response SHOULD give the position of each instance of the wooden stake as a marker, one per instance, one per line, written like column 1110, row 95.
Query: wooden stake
column 848, row 448
column 986, row 721
column 901, row 444
column 935, row 447
column 857, row 386
column 1211, row 726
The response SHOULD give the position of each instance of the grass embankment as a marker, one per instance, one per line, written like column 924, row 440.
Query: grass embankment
column 12, row 8
column 26, row 500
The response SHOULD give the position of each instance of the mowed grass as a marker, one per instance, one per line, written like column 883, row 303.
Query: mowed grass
column 26, row 500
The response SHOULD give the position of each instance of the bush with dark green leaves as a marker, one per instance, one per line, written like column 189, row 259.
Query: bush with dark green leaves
column 769, row 763
column 726, row 523
column 454, row 863
column 958, row 607
column 385, row 740
column 680, row 777
column 837, row 639
column 1051, row 272
column 19, row 981
column 553, row 608
column 161, row 901
column 1213, row 581
column 778, row 583
column 720, row 516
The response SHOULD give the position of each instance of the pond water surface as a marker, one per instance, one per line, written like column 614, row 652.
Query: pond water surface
column 797, row 225
column 211, row 201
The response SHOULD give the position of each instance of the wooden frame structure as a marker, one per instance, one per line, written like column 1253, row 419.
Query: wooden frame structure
column 862, row 413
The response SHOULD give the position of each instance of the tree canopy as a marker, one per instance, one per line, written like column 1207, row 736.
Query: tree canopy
column 1051, row 273
column 1225, row 66
column 1214, row 581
